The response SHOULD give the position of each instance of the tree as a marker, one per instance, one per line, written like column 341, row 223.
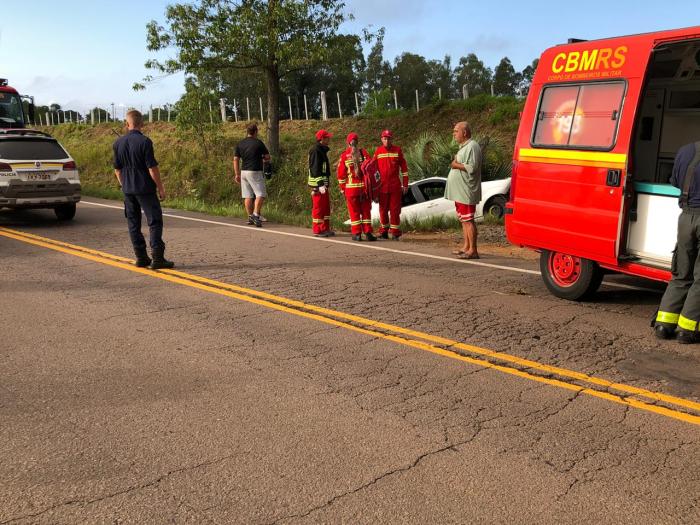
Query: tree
column 378, row 71
column 472, row 73
column 505, row 78
column 441, row 78
column 273, row 37
column 410, row 73
column 526, row 77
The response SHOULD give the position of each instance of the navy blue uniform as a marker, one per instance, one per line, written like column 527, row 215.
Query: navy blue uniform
column 680, row 305
column 133, row 155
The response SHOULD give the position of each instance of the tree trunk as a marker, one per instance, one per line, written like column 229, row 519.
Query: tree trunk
column 273, row 110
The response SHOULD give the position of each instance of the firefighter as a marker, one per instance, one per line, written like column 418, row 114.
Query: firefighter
column 394, row 173
column 320, row 183
column 679, row 311
column 353, row 187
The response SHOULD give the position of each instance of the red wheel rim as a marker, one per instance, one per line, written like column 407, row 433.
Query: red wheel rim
column 564, row 269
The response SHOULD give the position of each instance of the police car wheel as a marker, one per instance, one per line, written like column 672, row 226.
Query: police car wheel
column 65, row 212
column 569, row 277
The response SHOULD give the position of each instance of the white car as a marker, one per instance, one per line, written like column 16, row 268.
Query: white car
column 37, row 172
column 426, row 198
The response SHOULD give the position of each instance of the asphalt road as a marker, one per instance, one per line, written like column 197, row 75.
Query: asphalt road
column 280, row 378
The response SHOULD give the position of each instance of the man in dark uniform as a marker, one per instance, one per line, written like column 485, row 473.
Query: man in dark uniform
column 136, row 169
column 320, row 183
column 679, row 311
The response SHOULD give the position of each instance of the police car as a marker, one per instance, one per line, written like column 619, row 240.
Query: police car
column 37, row 172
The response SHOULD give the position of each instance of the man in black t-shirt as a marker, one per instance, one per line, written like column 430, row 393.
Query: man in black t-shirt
column 251, row 153
column 136, row 169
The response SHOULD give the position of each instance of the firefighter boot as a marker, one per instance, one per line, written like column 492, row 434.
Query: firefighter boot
column 142, row 258
column 686, row 337
column 664, row 330
column 370, row 236
column 159, row 260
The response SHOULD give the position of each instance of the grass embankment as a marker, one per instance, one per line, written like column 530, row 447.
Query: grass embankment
column 198, row 173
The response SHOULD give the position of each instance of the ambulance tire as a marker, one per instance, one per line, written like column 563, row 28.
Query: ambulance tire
column 569, row 277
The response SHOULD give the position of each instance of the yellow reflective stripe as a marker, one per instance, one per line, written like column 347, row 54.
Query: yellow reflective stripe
column 384, row 225
column 342, row 181
column 356, row 185
column 667, row 317
column 388, row 155
column 366, row 221
column 355, row 223
column 570, row 156
column 687, row 324
column 395, row 226
column 317, row 220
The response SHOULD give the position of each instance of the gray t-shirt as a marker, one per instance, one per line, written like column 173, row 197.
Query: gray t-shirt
column 465, row 186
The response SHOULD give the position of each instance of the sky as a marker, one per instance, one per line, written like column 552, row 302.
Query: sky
column 86, row 53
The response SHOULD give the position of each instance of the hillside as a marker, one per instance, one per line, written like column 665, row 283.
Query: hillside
column 197, row 169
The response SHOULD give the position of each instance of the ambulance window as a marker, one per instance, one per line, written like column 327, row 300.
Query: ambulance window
column 580, row 116
column 556, row 112
column 599, row 112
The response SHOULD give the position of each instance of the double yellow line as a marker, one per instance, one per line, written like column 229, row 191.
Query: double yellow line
column 656, row 402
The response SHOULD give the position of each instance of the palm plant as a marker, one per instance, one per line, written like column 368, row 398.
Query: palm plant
column 431, row 154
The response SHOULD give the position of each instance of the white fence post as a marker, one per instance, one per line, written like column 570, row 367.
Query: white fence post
column 396, row 101
column 247, row 106
column 262, row 116
column 324, row 107
column 235, row 110
column 357, row 105
column 222, row 105
column 417, row 104
column 306, row 108
column 439, row 93
column 492, row 93
column 291, row 115
column 340, row 109
column 465, row 91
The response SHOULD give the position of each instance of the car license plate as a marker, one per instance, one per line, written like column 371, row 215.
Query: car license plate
column 38, row 175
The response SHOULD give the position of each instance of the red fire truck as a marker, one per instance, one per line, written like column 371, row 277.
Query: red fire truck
column 12, row 110
column 598, row 135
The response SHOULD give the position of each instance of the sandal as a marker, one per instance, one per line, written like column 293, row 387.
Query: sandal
column 457, row 252
column 464, row 255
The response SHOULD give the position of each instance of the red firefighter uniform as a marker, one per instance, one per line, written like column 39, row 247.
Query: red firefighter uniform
column 352, row 185
column 394, row 173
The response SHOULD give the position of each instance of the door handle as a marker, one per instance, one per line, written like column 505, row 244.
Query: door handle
column 613, row 178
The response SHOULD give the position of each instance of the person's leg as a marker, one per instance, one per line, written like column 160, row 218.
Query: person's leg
column 248, row 206
column 384, row 204
column 366, row 212
column 355, row 217
column 316, row 212
column 395, row 213
column 471, row 234
column 132, row 212
column 154, row 217
column 466, row 246
column 258, row 205
column 248, row 194
column 326, row 210
column 682, row 278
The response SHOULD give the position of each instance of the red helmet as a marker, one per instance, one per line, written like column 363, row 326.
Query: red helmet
column 322, row 134
column 387, row 133
column 352, row 136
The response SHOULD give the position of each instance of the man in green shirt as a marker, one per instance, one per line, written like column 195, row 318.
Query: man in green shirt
column 464, row 187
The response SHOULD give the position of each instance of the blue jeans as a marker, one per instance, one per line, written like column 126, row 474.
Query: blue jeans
column 149, row 203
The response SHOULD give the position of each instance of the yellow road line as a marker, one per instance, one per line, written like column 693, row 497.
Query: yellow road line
column 332, row 317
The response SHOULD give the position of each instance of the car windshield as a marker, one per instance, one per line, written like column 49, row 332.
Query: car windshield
column 432, row 190
column 31, row 149
column 11, row 114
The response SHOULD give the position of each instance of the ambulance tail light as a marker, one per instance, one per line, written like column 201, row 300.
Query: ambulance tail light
column 70, row 165
column 5, row 167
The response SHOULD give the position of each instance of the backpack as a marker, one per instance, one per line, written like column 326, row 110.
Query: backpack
column 371, row 178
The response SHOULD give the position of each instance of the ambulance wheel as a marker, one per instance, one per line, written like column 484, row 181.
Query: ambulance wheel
column 65, row 212
column 569, row 277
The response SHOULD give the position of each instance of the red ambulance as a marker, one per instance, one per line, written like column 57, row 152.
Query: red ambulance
column 598, row 135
